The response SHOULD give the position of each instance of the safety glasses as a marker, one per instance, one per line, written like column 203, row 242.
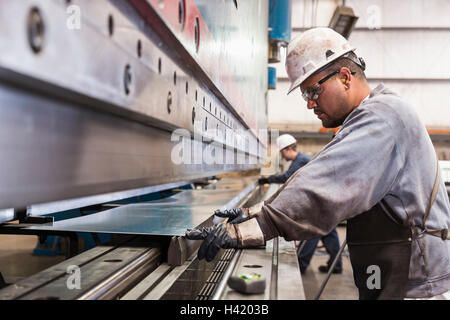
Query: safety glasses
column 313, row 92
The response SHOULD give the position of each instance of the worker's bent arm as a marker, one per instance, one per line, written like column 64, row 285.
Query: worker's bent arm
column 296, row 164
column 349, row 176
column 279, row 178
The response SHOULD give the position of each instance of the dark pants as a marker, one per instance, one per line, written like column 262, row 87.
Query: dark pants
column 331, row 243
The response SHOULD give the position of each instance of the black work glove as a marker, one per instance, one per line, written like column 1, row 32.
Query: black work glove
column 263, row 181
column 234, row 215
column 243, row 235
column 215, row 238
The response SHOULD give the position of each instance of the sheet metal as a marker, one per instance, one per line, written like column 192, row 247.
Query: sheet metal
column 167, row 217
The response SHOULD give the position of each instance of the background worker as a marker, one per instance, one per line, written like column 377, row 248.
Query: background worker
column 380, row 173
column 287, row 145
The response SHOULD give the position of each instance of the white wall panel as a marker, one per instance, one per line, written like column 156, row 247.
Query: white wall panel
column 414, row 54
column 405, row 54
column 391, row 13
column 291, row 108
column 429, row 98
column 410, row 53
column 402, row 13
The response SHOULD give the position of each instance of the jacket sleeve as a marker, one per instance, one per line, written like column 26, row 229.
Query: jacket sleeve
column 282, row 178
column 348, row 177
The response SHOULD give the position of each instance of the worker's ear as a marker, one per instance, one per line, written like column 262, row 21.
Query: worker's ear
column 346, row 77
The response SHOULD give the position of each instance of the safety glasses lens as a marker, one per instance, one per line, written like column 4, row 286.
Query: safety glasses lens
column 311, row 94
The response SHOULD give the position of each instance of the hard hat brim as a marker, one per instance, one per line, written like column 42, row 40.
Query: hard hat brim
column 300, row 80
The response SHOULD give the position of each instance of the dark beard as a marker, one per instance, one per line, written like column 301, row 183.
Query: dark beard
column 334, row 123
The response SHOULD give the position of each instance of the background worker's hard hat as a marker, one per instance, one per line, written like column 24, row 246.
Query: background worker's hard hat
column 285, row 140
column 311, row 51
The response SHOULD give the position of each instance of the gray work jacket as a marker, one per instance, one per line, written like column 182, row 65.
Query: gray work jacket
column 381, row 152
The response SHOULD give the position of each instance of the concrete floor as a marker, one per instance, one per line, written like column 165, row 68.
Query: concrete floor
column 340, row 286
column 17, row 260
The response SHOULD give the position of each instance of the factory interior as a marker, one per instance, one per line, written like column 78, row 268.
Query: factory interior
column 127, row 123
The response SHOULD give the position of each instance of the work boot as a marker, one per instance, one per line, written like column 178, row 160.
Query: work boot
column 324, row 269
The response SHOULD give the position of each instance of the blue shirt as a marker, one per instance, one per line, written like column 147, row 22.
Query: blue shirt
column 296, row 164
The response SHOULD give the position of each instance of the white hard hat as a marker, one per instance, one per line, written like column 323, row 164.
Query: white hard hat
column 312, row 50
column 285, row 140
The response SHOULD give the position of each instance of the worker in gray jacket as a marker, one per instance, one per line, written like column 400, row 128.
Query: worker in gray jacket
column 380, row 173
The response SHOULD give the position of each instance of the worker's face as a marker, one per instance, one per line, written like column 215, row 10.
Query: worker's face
column 332, row 106
column 286, row 153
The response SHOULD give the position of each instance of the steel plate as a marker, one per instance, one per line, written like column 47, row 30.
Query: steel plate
column 167, row 217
